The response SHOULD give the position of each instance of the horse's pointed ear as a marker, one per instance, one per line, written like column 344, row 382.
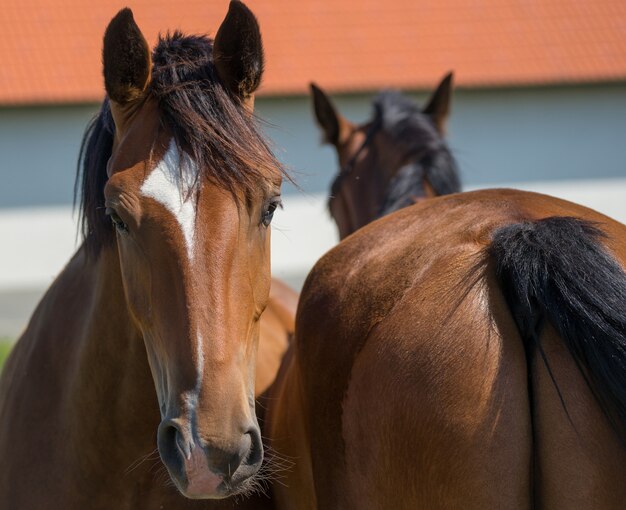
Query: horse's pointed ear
column 332, row 124
column 125, row 58
column 238, row 52
column 439, row 105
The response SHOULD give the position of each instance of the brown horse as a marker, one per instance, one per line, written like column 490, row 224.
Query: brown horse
column 394, row 160
column 178, row 189
column 468, row 351
column 465, row 352
column 276, row 329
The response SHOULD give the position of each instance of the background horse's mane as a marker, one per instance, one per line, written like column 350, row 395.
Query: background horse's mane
column 205, row 120
column 415, row 137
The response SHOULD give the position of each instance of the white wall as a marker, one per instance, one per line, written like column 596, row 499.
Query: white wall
column 38, row 153
column 39, row 241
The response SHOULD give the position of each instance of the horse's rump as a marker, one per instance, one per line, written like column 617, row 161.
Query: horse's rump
column 567, row 295
column 424, row 396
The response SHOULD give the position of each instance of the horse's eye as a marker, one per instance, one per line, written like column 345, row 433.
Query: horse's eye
column 268, row 213
column 120, row 226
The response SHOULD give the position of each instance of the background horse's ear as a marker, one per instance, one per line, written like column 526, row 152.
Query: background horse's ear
column 126, row 59
column 330, row 122
column 439, row 105
column 238, row 52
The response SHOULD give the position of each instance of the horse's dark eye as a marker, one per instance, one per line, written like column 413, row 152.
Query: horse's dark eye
column 268, row 214
column 120, row 226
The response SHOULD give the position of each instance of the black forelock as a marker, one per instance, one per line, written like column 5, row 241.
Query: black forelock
column 405, row 123
column 415, row 136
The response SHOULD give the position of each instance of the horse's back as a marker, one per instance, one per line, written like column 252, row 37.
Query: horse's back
column 426, row 400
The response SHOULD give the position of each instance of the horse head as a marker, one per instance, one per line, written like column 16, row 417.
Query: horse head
column 185, row 200
column 393, row 160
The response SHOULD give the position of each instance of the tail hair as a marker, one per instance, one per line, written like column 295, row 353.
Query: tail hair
column 556, row 269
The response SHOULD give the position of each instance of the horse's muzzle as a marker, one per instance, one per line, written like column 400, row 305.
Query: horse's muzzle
column 202, row 470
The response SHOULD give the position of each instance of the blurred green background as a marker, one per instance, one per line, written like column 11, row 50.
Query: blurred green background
column 5, row 347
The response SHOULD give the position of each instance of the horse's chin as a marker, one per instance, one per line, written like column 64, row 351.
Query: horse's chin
column 204, row 486
column 218, row 493
column 205, row 489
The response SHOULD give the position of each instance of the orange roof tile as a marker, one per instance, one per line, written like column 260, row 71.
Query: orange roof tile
column 50, row 49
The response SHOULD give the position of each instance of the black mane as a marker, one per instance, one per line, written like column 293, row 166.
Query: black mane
column 205, row 120
column 416, row 138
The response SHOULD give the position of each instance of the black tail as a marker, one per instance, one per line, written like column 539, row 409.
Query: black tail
column 557, row 270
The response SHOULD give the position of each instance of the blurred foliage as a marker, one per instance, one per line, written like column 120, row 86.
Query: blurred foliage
column 5, row 347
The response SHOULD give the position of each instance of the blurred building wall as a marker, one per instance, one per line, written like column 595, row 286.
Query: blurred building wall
column 507, row 135
column 553, row 139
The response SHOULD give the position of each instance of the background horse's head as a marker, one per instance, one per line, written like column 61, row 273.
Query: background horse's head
column 178, row 191
column 391, row 161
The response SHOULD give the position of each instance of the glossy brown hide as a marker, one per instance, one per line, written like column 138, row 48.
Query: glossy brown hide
column 277, row 326
column 79, row 416
column 366, row 166
column 408, row 377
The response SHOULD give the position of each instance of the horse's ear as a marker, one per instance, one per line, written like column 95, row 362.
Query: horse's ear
column 125, row 58
column 238, row 52
column 330, row 122
column 439, row 105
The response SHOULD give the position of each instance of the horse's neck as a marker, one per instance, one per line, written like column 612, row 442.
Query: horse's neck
column 112, row 362
column 112, row 381
column 77, row 391
column 96, row 355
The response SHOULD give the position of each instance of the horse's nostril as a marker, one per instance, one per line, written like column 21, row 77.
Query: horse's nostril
column 255, row 449
column 224, row 462
column 171, row 446
column 233, row 464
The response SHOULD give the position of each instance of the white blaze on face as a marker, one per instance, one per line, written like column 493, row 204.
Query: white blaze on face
column 169, row 184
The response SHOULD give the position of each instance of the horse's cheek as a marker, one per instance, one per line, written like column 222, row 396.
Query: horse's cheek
column 137, row 279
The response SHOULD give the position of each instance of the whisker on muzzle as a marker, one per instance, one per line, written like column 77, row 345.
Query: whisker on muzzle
column 272, row 470
column 153, row 455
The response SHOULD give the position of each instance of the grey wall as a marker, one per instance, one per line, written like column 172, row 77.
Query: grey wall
column 549, row 134
column 496, row 136
column 38, row 153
